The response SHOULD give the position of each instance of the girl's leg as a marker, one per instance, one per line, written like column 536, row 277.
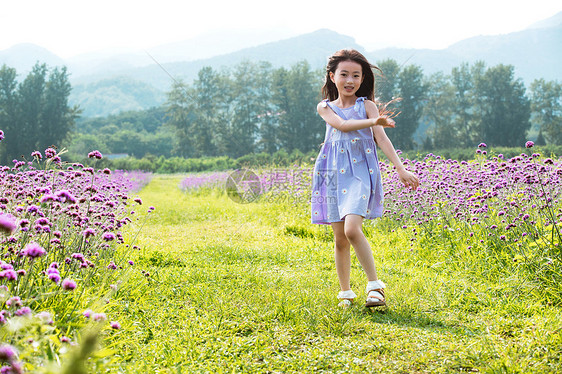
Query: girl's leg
column 342, row 255
column 353, row 230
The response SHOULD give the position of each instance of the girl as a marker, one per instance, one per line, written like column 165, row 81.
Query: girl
column 347, row 186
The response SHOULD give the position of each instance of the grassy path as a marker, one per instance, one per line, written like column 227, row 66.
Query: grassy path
column 251, row 288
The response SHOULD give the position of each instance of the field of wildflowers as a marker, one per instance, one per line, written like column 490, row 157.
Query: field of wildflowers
column 228, row 274
column 60, row 229
column 505, row 213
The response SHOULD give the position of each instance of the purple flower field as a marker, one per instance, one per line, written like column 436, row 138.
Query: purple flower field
column 59, row 228
column 508, row 210
column 203, row 180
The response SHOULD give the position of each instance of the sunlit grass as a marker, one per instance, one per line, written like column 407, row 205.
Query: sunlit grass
column 252, row 288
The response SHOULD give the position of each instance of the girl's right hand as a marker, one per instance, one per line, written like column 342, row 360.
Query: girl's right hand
column 385, row 121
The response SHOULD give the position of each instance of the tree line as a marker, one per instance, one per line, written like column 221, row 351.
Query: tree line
column 253, row 107
column 34, row 113
column 256, row 108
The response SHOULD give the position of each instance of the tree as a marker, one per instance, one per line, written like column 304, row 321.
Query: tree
column 30, row 106
column 8, row 108
column 386, row 83
column 34, row 114
column 412, row 93
column 267, row 113
column 246, row 108
column 297, row 94
column 439, row 111
column 546, row 105
column 462, row 120
column 57, row 118
column 209, row 104
column 504, row 108
column 180, row 119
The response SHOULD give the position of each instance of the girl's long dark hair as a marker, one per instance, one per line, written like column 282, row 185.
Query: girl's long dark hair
column 367, row 88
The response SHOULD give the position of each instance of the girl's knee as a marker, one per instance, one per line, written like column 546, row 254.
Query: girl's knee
column 353, row 232
column 342, row 244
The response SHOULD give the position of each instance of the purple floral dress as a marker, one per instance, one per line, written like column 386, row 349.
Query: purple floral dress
column 347, row 178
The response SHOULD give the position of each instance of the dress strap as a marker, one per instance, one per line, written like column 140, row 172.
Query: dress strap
column 359, row 107
column 337, row 110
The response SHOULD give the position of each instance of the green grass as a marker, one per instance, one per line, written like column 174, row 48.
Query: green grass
column 252, row 288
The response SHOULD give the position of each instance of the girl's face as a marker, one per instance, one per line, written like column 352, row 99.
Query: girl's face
column 347, row 78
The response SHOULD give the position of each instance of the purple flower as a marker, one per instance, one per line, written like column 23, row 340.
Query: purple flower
column 87, row 313
column 68, row 284
column 50, row 152
column 78, row 256
column 9, row 274
column 95, row 154
column 55, row 277
column 13, row 301
column 482, row 145
column 1, row 135
column 108, row 236
column 7, row 223
column 36, row 154
column 34, row 250
column 66, row 196
column 99, row 317
column 7, row 353
column 529, row 144
column 25, row 311
column 115, row 325
column 88, row 232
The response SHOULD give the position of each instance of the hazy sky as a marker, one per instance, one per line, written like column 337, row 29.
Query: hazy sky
column 71, row 27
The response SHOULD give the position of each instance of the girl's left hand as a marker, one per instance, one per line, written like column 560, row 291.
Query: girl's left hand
column 385, row 121
column 409, row 179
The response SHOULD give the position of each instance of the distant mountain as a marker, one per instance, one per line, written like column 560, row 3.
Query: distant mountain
column 112, row 96
column 535, row 53
column 200, row 47
column 314, row 47
column 553, row 21
column 23, row 56
column 109, row 82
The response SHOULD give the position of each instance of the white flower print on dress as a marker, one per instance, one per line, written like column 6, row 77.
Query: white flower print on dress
column 354, row 160
column 371, row 171
column 364, row 197
column 344, row 191
column 368, row 151
column 342, row 171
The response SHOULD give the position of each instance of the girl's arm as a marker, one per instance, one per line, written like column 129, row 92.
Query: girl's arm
column 339, row 123
column 409, row 179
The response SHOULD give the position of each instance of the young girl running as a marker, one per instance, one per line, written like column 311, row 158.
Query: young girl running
column 347, row 186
